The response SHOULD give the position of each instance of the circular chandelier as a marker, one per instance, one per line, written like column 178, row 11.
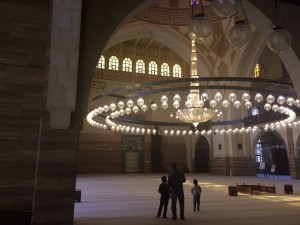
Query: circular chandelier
column 117, row 115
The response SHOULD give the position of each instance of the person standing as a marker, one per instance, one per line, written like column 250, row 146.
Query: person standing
column 176, row 180
column 164, row 191
column 196, row 192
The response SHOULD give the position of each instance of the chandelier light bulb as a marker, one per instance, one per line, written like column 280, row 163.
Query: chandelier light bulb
column 140, row 101
column 130, row 103
column 122, row 112
column 248, row 104
column 258, row 98
column 112, row 106
column 246, row 97
column 270, row 99
column 237, row 104
column 112, row 115
column 267, row 106
column 177, row 98
column 128, row 111
column 204, row 97
column 290, row 101
column 153, row 106
column 164, row 105
column 232, row 97
column 200, row 103
column 176, row 104
column 135, row 109
column 213, row 104
column 279, row 40
column 188, row 104
column 240, row 34
column 117, row 113
column 281, row 109
column 224, row 8
column 163, row 99
column 200, row 28
column 225, row 103
column 189, row 96
column 144, row 108
column 218, row 96
column 281, row 100
column 275, row 108
column 121, row 105
column 105, row 108
column 132, row 129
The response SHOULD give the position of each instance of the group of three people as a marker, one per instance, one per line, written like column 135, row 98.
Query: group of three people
column 173, row 185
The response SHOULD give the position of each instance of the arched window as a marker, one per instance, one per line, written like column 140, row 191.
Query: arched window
column 140, row 66
column 153, row 68
column 165, row 70
column 127, row 65
column 257, row 70
column 258, row 151
column 176, row 71
column 113, row 63
column 101, row 63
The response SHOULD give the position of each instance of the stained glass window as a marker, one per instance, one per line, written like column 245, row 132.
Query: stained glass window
column 113, row 63
column 140, row 66
column 257, row 70
column 176, row 71
column 127, row 65
column 165, row 70
column 101, row 63
column 153, row 68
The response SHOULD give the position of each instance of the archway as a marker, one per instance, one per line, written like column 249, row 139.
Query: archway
column 271, row 150
column 202, row 157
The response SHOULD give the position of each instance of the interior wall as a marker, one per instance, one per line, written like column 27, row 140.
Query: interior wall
column 37, row 163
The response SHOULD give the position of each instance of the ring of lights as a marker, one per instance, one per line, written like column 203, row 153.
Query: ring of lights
column 114, row 114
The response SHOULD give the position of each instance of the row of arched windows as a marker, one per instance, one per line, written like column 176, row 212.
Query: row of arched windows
column 140, row 67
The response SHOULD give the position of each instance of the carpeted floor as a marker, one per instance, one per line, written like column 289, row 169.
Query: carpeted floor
column 133, row 199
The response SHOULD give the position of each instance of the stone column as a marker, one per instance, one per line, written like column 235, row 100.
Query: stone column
column 63, row 68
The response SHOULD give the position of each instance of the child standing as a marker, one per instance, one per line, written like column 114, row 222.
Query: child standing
column 196, row 192
column 164, row 191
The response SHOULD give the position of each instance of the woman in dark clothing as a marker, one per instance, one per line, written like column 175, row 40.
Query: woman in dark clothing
column 164, row 197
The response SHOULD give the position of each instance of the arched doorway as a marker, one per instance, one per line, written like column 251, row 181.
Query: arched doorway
column 271, row 150
column 202, row 157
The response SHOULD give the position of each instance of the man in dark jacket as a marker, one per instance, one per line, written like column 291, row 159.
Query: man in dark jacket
column 176, row 180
